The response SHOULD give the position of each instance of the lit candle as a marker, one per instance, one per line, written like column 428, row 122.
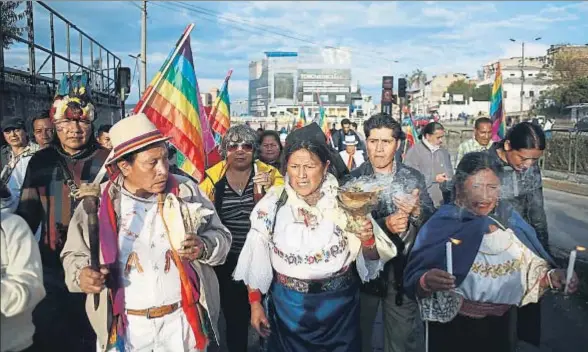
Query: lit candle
column 571, row 264
column 449, row 253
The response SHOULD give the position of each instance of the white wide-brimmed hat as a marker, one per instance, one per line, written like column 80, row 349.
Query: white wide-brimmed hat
column 350, row 140
column 133, row 133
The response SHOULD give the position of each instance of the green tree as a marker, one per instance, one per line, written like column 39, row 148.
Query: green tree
column 461, row 87
column 8, row 21
column 482, row 93
column 556, row 99
column 417, row 78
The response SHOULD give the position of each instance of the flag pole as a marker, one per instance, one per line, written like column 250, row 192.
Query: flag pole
column 168, row 65
column 187, row 31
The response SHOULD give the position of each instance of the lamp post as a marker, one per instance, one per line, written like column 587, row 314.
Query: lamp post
column 523, row 70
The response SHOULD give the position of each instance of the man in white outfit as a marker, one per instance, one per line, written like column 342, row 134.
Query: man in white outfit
column 155, row 293
column 352, row 157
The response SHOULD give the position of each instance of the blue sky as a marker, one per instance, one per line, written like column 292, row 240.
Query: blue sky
column 435, row 36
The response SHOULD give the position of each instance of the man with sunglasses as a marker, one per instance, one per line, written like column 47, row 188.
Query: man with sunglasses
column 15, row 156
column 235, row 185
column 47, row 200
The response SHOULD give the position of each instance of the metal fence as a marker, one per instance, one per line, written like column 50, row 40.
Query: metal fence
column 566, row 151
column 81, row 53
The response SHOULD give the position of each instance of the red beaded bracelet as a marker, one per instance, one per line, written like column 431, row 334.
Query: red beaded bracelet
column 423, row 284
column 254, row 296
column 369, row 243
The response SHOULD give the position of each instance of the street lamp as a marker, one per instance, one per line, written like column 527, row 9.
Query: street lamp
column 523, row 70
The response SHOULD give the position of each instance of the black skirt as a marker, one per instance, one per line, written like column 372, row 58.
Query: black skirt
column 489, row 334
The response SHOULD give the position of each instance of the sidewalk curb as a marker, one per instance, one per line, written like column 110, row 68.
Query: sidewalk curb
column 565, row 186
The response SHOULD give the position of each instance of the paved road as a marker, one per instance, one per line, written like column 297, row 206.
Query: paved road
column 567, row 217
column 565, row 319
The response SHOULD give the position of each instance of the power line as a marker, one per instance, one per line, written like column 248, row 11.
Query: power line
column 253, row 28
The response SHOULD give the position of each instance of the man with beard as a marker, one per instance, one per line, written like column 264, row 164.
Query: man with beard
column 47, row 200
column 400, row 216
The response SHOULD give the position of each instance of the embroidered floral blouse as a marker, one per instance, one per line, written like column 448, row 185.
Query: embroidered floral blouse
column 505, row 273
column 308, row 242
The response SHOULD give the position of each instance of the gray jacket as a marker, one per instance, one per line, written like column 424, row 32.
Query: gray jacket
column 76, row 255
column 430, row 164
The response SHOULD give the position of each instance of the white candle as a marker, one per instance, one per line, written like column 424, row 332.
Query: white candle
column 570, row 273
column 259, row 190
column 449, row 256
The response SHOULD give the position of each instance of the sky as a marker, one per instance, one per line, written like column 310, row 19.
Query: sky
column 436, row 37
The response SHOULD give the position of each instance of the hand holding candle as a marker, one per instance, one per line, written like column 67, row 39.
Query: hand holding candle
column 571, row 265
column 449, row 253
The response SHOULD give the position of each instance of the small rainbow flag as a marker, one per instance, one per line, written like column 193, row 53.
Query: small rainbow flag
column 301, row 118
column 411, row 133
column 220, row 116
column 322, row 120
column 170, row 102
column 497, row 107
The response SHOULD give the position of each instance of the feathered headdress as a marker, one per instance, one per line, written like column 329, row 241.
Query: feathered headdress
column 73, row 99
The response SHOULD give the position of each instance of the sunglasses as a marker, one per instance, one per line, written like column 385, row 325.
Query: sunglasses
column 246, row 147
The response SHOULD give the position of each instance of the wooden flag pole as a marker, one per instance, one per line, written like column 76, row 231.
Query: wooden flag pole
column 102, row 172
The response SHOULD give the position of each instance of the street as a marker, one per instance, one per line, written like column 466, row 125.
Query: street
column 564, row 319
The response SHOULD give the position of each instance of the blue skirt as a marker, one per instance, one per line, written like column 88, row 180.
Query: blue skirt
column 314, row 315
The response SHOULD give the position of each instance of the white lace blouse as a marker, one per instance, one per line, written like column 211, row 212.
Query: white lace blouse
column 309, row 242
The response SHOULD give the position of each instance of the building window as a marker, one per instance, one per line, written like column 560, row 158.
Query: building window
column 512, row 74
column 531, row 93
column 530, row 75
column 504, row 95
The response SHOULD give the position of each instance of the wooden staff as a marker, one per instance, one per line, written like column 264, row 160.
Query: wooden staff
column 90, row 194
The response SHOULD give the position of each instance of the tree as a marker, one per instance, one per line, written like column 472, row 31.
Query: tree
column 557, row 98
column 568, row 65
column 8, row 21
column 417, row 78
column 482, row 93
column 461, row 87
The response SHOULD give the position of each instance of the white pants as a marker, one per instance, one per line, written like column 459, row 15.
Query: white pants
column 170, row 333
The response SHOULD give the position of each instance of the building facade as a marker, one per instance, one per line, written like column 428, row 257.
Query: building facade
column 283, row 82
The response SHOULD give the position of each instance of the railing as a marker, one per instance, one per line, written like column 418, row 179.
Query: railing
column 94, row 58
column 566, row 151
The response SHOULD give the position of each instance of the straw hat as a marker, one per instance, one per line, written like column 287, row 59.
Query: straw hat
column 350, row 140
column 133, row 133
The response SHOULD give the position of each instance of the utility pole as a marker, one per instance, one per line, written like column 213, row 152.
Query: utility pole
column 143, row 82
column 523, row 70
column 522, row 74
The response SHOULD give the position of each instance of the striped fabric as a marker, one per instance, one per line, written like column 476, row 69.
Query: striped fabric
column 45, row 198
column 234, row 214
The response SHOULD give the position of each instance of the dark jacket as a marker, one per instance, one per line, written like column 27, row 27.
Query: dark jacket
column 524, row 190
column 410, row 179
column 339, row 138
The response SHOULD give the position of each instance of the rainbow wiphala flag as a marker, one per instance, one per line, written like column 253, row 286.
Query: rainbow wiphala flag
column 220, row 115
column 173, row 108
column 497, row 107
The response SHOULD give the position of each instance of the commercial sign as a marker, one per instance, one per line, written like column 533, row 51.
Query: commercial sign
column 333, row 86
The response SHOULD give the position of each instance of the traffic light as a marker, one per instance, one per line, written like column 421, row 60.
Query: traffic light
column 402, row 87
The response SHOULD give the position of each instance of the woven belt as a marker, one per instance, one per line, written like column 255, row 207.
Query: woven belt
column 341, row 281
column 155, row 312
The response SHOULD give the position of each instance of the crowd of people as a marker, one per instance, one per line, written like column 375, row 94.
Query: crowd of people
column 263, row 238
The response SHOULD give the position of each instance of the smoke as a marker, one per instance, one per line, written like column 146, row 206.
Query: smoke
column 389, row 187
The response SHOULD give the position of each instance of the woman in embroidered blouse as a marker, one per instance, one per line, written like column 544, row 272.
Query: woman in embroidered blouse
column 498, row 264
column 299, row 254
